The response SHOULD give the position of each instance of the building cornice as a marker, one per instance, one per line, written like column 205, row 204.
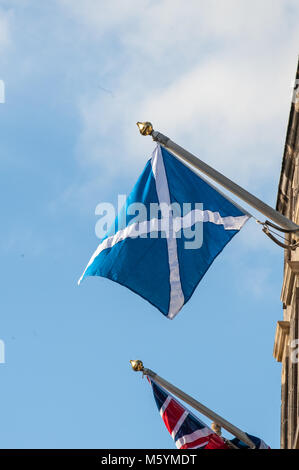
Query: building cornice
column 281, row 339
column 290, row 272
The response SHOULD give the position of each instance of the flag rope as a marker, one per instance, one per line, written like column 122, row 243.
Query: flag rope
column 270, row 233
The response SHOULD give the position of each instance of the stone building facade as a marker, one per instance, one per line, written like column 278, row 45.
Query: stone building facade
column 287, row 333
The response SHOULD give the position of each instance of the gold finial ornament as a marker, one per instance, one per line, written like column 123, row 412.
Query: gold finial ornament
column 137, row 366
column 145, row 128
column 216, row 428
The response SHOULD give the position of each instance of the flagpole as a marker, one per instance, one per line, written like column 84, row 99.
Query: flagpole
column 137, row 366
column 146, row 128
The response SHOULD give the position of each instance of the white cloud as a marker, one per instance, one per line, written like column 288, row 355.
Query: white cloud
column 214, row 75
column 101, row 17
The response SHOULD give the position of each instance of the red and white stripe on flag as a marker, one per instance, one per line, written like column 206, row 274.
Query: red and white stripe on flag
column 187, row 431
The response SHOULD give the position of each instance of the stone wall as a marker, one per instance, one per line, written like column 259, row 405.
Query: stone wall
column 286, row 340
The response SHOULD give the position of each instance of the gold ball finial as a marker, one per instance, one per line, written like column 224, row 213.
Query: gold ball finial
column 145, row 128
column 137, row 366
column 216, row 428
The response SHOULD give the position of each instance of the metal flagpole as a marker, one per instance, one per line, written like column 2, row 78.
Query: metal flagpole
column 137, row 366
column 146, row 128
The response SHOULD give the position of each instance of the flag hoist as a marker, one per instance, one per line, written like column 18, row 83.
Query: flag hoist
column 146, row 128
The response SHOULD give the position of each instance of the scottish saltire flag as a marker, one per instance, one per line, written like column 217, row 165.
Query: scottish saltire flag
column 259, row 444
column 187, row 431
column 163, row 254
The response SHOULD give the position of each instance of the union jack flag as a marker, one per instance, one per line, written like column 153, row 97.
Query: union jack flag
column 187, row 431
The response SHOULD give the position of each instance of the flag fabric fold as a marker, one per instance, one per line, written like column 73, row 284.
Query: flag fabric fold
column 163, row 254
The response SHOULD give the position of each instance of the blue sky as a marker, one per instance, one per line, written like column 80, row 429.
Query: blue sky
column 216, row 77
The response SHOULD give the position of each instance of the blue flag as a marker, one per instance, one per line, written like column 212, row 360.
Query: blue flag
column 172, row 227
